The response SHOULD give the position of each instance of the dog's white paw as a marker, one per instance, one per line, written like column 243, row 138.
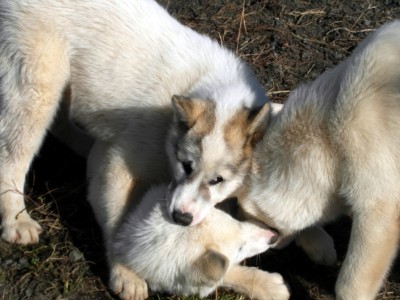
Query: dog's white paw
column 277, row 288
column 319, row 247
column 22, row 230
column 126, row 284
column 269, row 286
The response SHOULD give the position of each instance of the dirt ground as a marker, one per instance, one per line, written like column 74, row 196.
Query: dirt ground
column 287, row 43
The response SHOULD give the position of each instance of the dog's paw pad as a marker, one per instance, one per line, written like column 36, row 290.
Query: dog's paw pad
column 126, row 284
column 21, row 231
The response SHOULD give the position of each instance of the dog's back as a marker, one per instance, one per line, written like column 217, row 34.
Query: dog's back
column 365, row 122
column 113, row 52
column 347, row 119
column 353, row 113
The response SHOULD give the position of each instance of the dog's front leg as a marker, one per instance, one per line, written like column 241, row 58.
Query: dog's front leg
column 373, row 243
column 111, row 184
column 256, row 284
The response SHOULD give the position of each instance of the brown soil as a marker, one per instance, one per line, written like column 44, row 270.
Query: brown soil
column 287, row 43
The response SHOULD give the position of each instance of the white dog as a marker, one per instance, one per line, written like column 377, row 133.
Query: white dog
column 333, row 148
column 193, row 260
column 118, row 60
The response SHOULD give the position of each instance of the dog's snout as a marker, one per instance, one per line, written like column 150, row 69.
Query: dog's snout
column 184, row 219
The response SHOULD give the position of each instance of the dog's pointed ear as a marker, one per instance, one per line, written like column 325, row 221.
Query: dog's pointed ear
column 187, row 110
column 258, row 122
column 211, row 267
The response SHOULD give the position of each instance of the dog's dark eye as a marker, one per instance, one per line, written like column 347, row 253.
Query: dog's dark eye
column 187, row 167
column 216, row 180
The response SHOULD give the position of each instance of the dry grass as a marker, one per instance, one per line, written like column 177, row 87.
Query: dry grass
column 287, row 42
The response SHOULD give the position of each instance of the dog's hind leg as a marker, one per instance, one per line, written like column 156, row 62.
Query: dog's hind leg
column 256, row 284
column 373, row 244
column 33, row 72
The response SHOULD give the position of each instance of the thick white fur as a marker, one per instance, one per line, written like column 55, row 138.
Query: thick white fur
column 333, row 148
column 119, row 59
column 192, row 260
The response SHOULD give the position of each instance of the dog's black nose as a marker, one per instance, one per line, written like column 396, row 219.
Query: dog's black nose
column 183, row 219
